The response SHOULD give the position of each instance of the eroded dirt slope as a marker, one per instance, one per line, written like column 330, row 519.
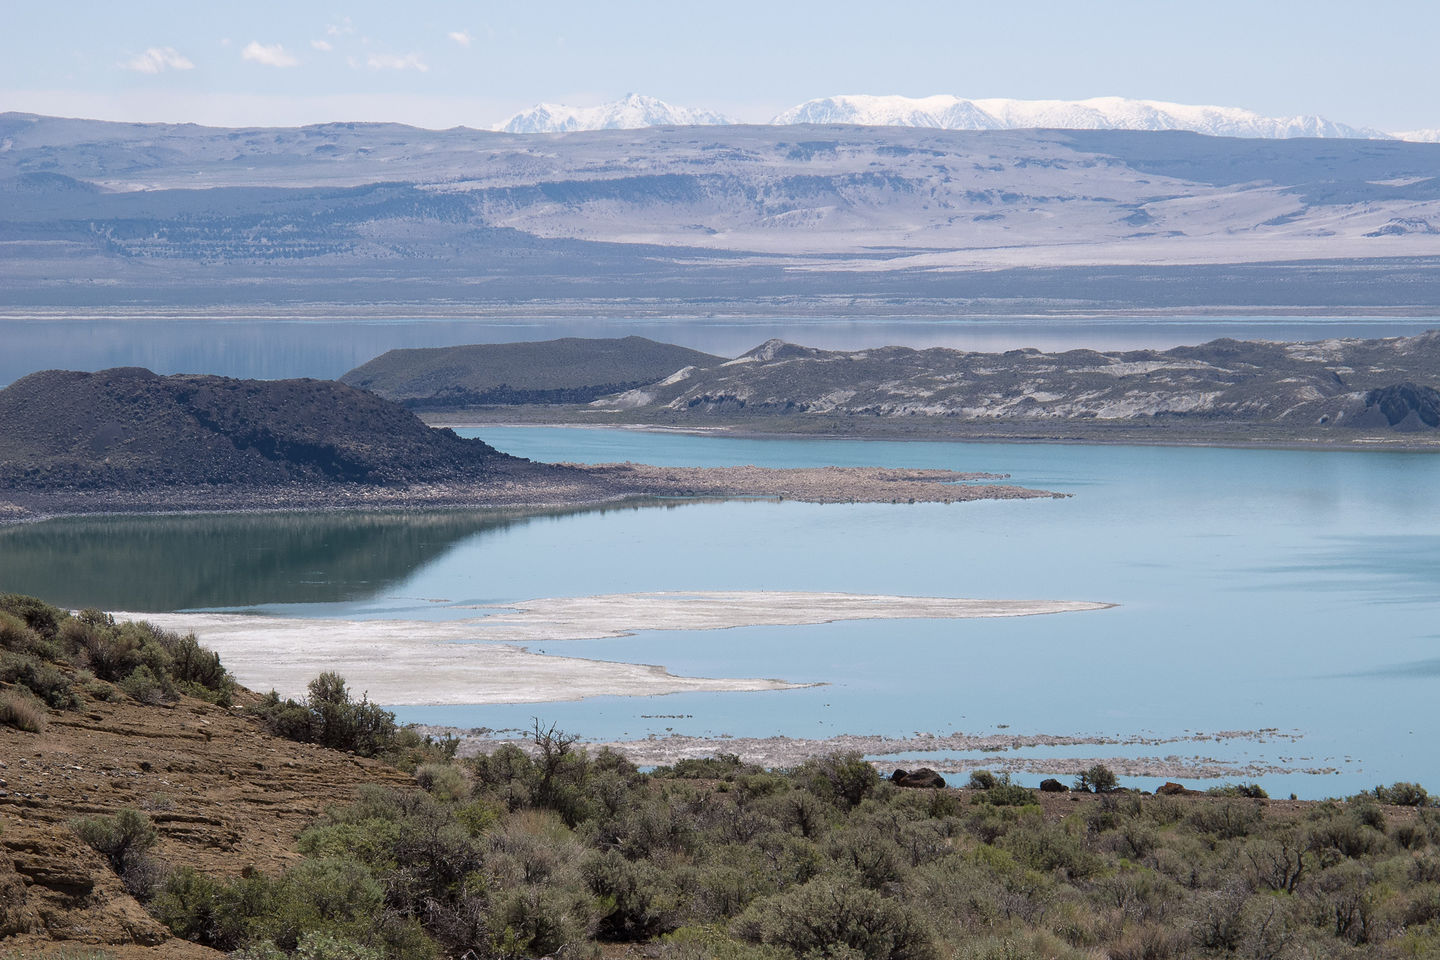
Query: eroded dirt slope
column 223, row 794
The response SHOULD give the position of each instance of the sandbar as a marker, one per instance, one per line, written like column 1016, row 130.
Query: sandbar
column 481, row 660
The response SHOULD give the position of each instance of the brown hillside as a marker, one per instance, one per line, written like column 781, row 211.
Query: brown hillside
column 224, row 795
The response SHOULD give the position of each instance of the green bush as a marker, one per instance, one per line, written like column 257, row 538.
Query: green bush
column 38, row 615
column 444, row 781
column 1403, row 794
column 1245, row 791
column 1226, row 819
column 727, row 767
column 542, row 921
column 329, row 717
column 1003, row 793
column 829, row 918
column 152, row 664
column 637, row 901
column 982, row 780
column 843, row 779
column 1097, row 779
column 125, row 840
column 42, row 679
column 18, row 636
column 193, row 906
column 143, row 685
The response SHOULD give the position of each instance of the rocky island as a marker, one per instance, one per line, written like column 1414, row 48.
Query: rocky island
column 129, row 441
column 1352, row 392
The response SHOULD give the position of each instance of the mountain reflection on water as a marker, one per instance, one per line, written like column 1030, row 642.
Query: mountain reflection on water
column 144, row 563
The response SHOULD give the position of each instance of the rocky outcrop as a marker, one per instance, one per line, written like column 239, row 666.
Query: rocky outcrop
column 924, row 778
column 1051, row 785
column 1403, row 406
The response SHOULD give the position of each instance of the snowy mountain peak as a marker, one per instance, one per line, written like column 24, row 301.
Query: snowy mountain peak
column 1418, row 136
column 631, row 113
column 1099, row 113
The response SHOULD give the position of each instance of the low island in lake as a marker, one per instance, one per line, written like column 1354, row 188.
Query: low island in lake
column 129, row 441
column 1341, row 392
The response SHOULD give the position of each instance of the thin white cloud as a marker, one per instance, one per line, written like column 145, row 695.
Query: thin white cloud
column 158, row 60
column 461, row 37
column 389, row 61
column 341, row 28
column 271, row 55
column 322, row 45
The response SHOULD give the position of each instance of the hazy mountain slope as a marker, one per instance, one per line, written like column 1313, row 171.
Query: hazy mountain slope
column 571, row 370
column 1379, row 384
column 105, row 213
column 128, row 427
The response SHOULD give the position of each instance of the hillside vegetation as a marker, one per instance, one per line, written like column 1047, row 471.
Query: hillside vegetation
column 235, row 839
column 570, row 370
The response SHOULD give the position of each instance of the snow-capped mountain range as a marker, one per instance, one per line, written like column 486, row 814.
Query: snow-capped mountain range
column 1100, row 113
column 631, row 113
column 947, row 112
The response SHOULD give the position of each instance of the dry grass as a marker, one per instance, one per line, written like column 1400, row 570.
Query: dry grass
column 22, row 710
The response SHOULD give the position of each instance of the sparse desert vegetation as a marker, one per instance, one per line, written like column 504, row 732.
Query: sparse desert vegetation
column 549, row 850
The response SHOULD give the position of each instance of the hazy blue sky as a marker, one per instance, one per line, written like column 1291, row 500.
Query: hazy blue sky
column 446, row 63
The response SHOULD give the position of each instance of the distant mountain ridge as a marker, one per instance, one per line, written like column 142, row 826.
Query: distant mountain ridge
column 680, row 221
column 1098, row 113
column 633, row 112
column 947, row 112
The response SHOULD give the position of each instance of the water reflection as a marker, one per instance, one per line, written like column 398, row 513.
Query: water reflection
column 236, row 560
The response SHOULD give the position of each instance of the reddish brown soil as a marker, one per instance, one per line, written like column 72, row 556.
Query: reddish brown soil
column 223, row 794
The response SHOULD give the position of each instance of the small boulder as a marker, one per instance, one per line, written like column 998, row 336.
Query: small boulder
column 924, row 777
column 1171, row 789
column 1051, row 785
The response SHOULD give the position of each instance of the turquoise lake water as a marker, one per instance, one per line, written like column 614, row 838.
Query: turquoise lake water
column 1257, row 589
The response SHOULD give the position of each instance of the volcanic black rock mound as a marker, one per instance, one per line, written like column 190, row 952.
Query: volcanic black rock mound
column 1402, row 406
column 130, row 428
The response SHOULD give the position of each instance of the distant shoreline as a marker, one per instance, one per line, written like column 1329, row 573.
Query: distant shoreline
column 1076, row 433
column 801, row 309
column 582, row 486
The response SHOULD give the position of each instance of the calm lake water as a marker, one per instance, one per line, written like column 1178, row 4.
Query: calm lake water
column 273, row 348
column 1257, row 589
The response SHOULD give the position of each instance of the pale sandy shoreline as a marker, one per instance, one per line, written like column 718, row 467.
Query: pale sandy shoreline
column 480, row 660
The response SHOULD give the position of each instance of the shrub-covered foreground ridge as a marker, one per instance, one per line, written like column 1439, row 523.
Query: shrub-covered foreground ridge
column 556, row 852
